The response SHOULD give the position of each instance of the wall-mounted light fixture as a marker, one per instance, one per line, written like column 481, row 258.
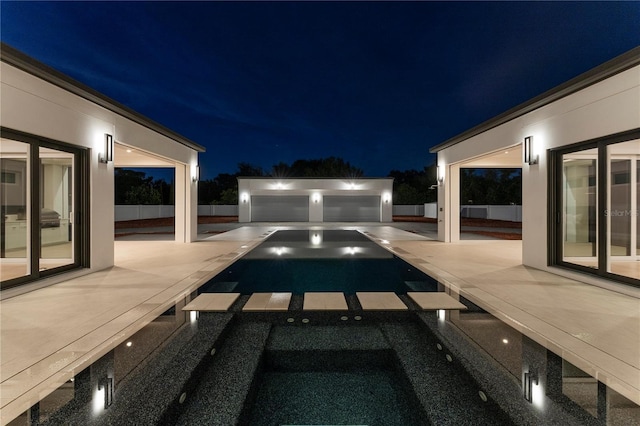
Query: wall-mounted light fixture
column 107, row 157
column 245, row 197
column 529, row 157
column 316, row 198
column 439, row 175
column 530, row 378
column 386, row 198
column 196, row 176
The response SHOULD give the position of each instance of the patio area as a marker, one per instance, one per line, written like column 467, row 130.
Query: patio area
column 51, row 334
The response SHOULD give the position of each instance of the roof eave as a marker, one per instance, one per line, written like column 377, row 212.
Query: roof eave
column 18, row 59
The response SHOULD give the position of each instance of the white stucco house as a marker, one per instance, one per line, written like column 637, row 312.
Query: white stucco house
column 60, row 142
column 315, row 200
column 578, row 146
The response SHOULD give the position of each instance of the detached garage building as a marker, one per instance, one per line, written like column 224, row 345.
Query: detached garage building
column 314, row 200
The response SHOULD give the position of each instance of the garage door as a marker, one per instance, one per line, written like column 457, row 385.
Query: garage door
column 286, row 208
column 351, row 209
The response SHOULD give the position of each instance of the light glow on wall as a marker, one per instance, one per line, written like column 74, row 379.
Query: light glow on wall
column 316, row 238
column 316, row 197
column 244, row 197
column 350, row 251
column 440, row 172
column 386, row 198
column 279, row 250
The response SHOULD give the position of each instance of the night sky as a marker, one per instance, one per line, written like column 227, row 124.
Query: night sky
column 377, row 84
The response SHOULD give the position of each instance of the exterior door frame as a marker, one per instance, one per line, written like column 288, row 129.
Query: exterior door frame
column 80, row 212
column 556, row 214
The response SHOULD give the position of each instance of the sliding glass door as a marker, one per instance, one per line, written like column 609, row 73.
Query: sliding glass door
column 43, row 197
column 579, row 206
column 621, row 215
column 56, row 209
column 15, row 209
column 595, row 208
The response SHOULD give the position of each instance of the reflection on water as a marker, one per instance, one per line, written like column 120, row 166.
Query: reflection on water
column 304, row 261
column 329, row 244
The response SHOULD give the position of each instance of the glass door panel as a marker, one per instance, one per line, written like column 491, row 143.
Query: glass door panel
column 619, row 211
column 56, row 208
column 622, row 210
column 15, row 235
column 579, row 207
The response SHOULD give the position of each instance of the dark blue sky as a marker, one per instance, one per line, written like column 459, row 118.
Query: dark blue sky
column 374, row 83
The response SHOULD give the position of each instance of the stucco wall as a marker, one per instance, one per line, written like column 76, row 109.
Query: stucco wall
column 315, row 189
column 35, row 106
column 605, row 108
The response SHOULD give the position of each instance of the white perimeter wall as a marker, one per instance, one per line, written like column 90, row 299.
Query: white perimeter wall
column 605, row 108
column 315, row 189
column 35, row 106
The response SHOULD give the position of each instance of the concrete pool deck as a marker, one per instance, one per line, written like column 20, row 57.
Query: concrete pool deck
column 51, row 334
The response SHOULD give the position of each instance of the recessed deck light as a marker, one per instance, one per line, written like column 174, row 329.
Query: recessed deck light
column 505, row 341
column 129, row 343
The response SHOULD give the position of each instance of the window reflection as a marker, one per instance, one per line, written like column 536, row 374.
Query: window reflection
column 622, row 210
column 14, row 201
column 579, row 208
column 56, row 201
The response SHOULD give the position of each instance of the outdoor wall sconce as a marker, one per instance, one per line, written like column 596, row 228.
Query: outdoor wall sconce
column 386, row 198
column 527, row 149
column 245, row 198
column 316, row 198
column 530, row 378
column 196, row 177
column 106, row 383
column 107, row 157
column 439, row 176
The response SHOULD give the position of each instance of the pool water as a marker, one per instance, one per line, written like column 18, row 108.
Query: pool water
column 336, row 398
column 302, row 261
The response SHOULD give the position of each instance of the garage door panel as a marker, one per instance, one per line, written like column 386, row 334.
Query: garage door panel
column 351, row 208
column 284, row 208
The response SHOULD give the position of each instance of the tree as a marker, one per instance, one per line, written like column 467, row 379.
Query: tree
column 143, row 194
column 491, row 186
column 223, row 189
column 331, row 167
column 413, row 186
column 134, row 187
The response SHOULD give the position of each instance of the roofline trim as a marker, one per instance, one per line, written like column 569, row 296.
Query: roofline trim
column 20, row 60
column 608, row 69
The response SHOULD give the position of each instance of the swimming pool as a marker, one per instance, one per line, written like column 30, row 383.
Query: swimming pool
column 300, row 261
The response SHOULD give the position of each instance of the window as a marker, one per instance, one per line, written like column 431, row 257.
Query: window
column 43, row 201
column 595, row 226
